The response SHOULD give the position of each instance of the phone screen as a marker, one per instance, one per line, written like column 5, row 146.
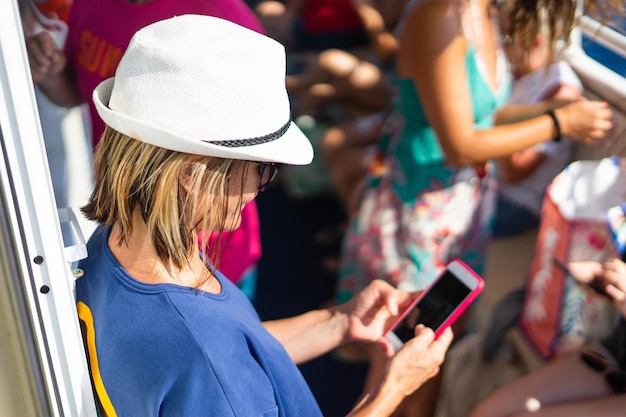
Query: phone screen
column 435, row 306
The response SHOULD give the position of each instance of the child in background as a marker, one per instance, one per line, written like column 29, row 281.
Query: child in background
column 524, row 175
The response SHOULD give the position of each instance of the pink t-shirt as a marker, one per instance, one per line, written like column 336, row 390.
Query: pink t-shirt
column 99, row 33
column 242, row 247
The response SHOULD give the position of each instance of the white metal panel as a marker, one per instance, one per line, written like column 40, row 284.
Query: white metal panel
column 603, row 35
column 597, row 77
column 34, row 234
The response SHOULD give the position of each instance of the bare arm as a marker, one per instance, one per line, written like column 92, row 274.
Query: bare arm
column 432, row 53
column 415, row 363
column 522, row 164
column 562, row 387
column 310, row 334
column 558, row 97
column 513, row 113
column 381, row 38
column 365, row 317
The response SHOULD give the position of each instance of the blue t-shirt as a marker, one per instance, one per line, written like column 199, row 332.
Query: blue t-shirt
column 167, row 350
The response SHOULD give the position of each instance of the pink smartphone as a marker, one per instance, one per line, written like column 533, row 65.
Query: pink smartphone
column 440, row 304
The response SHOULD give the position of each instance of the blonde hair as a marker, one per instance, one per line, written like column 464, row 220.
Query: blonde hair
column 168, row 188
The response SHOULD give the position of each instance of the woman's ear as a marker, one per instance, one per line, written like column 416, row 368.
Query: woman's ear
column 184, row 175
column 188, row 172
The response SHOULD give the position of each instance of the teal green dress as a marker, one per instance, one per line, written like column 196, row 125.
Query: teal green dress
column 417, row 213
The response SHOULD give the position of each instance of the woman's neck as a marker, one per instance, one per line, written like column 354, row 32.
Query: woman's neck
column 138, row 256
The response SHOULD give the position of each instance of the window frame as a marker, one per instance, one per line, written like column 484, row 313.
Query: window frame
column 42, row 348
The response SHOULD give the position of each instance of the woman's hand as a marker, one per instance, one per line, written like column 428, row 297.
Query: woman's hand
column 419, row 359
column 584, row 272
column 416, row 362
column 614, row 277
column 590, row 122
column 610, row 276
column 372, row 311
column 44, row 56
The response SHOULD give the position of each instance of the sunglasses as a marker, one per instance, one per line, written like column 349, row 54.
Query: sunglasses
column 615, row 377
column 267, row 174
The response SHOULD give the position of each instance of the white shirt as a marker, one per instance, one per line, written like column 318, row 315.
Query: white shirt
column 532, row 88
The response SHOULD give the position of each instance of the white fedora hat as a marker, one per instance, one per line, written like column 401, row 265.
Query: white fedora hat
column 206, row 86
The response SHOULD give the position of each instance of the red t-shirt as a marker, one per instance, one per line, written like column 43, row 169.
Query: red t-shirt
column 330, row 16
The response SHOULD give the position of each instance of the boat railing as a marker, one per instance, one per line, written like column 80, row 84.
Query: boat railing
column 599, row 81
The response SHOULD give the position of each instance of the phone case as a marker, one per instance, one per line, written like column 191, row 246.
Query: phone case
column 458, row 310
column 480, row 285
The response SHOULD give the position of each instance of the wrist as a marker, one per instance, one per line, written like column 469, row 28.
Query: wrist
column 557, row 126
column 383, row 400
column 339, row 321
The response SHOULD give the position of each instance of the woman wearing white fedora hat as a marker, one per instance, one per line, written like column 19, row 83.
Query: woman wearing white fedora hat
column 97, row 35
column 198, row 122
